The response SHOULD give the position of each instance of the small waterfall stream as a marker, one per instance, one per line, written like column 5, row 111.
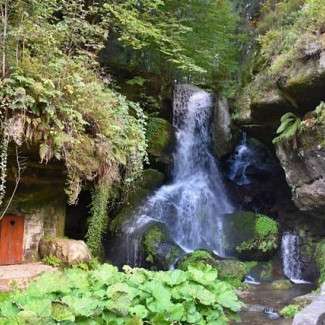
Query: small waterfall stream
column 193, row 205
column 291, row 258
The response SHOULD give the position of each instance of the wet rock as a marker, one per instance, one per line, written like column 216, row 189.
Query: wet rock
column 305, row 299
column 150, row 180
column 313, row 314
column 69, row 251
column 223, row 139
column 159, row 249
column 281, row 285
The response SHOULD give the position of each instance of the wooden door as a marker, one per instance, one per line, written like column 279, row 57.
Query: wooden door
column 11, row 239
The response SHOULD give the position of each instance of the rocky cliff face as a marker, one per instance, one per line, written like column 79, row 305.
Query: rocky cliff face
column 303, row 159
column 299, row 89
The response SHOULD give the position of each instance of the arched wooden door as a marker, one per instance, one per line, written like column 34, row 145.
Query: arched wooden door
column 11, row 240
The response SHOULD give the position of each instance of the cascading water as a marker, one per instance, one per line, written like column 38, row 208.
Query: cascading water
column 239, row 163
column 193, row 205
column 291, row 258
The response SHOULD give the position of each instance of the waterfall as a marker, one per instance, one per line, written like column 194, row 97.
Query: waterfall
column 193, row 205
column 291, row 257
column 242, row 159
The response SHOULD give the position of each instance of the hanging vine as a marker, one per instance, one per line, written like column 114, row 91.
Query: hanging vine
column 3, row 161
column 98, row 219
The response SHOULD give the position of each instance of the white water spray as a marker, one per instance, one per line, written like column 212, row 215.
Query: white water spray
column 193, row 206
column 291, row 258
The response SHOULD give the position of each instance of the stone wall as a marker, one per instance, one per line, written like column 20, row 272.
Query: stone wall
column 41, row 200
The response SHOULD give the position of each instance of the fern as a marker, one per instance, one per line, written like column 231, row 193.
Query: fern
column 289, row 127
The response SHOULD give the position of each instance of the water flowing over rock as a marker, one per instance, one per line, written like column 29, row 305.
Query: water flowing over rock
column 250, row 161
column 291, row 258
column 193, row 205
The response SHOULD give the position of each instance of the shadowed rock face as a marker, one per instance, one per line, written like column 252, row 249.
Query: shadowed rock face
column 303, row 159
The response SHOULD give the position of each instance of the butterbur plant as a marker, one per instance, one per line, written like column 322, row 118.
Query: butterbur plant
column 136, row 296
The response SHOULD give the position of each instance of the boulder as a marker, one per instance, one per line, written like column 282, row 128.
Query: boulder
column 160, row 138
column 232, row 271
column 281, row 285
column 303, row 160
column 313, row 314
column 69, row 251
column 159, row 249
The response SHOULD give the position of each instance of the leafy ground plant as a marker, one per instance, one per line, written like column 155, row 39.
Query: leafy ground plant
column 290, row 311
column 134, row 297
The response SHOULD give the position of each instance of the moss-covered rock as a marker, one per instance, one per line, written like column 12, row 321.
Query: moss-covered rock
column 159, row 136
column 320, row 260
column 150, row 180
column 232, row 271
column 198, row 258
column 159, row 250
column 257, row 236
column 281, row 285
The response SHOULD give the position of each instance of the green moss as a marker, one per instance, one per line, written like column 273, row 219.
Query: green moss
column 150, row 180
column 159, row 251
column 265, row 226
column 197, row 259
column 152, row 238
column 281, row 285
column 256, row 235
column 231, row 271
column 320, row 260
column 159, row 136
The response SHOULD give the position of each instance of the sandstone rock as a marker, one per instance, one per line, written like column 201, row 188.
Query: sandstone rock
column 69, row 251
column 222, row 132
column 313, row 314
column 303, row 160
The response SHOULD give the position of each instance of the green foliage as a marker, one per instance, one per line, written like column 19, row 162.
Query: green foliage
column 98, row 219
column 178, row 38
column 286, row 26
column 136, row 296
column 52, row 261
column 290, row 311
column 266, row 226
column 53, row 95
column 320, row 260
column 231, row 271
column 290, row 126
column 266, row 236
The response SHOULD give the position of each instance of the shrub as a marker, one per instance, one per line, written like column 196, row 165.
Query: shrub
column 290, row 311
